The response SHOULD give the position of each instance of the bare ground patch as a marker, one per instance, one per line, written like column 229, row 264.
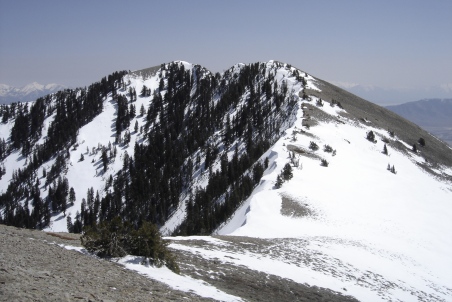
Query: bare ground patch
column 303, row 151
column 293, row 208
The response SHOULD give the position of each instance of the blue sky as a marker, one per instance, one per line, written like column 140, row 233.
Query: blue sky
column 390, row 44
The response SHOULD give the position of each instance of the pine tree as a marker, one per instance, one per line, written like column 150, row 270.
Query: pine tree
column 279, row 182
column 72, row 196
column 143, row 92
column 132, row 111
column 142, row 111
column 287, row 172
column 385, row 150
column 422, row 142
column 70, row 227
column 104, row 159
column 393, row 169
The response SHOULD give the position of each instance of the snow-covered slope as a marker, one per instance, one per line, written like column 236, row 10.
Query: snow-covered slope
column 381, row 235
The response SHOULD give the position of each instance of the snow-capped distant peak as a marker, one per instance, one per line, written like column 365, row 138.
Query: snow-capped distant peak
column 31, row 88
column 27, row 93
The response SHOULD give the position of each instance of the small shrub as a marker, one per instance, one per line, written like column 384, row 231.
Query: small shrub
column 371, row 136
column 414, row 149
column 324, row 163
column 327, row 148
column 116, row 238
column 338, row 104
column 319, row 102
column 422, row 142
column 313, row 146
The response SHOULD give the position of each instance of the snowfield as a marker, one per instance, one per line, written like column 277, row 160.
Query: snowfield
column 386, row 236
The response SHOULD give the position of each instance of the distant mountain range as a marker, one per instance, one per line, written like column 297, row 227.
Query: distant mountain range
column 27, row 93
column 434, row 115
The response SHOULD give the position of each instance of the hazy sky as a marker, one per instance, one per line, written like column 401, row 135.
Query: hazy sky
column 398, row 44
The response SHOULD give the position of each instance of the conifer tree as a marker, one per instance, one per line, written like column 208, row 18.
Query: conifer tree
column 422, row 142
column 279, row 182
column 287, row 172
column 385, row 150
column 72, row 196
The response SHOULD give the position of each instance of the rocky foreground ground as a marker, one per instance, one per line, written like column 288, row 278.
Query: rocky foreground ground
column 33, row 267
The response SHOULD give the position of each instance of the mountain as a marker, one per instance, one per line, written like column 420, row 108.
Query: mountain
column 297, row 179
column 27, row 93
column 434, row 115
column 386, row 96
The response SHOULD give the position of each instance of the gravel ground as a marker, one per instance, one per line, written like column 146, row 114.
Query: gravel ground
column 33, row 269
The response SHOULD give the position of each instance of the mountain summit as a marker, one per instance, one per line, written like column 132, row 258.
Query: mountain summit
column 358, row 197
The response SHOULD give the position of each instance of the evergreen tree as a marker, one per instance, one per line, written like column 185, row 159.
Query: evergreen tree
column 142, row 111
column 385, row 150
column 287, row 172
column 72, row 196
column 104, row 159
column 144, row 90
column 70, row 227
column 279, row 182
column 371, row 136
column 422, row 142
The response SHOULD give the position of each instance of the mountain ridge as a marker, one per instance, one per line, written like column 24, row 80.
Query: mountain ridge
column 389, row 96
column 27, row 93
column 431, row 114
column 198, row 153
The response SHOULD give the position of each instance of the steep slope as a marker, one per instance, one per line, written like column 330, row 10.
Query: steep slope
column 380, row 235
column 140, row 145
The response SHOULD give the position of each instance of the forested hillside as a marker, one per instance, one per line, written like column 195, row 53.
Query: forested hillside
column 181, row 140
